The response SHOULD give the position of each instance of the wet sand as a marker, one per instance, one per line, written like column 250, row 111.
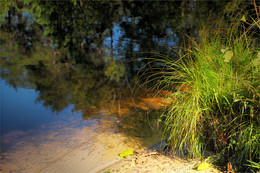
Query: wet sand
column 88, row 146
column 88, row 149
column 73, row 148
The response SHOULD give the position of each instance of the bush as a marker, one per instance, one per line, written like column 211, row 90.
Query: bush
column 214, row 100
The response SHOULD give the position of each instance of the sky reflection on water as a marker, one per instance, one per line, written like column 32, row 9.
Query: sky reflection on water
column 21, row 112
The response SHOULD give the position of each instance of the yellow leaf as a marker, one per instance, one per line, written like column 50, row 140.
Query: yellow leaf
column 243, row 18
column 228, row 55
column 126, row 153
column 203, row 166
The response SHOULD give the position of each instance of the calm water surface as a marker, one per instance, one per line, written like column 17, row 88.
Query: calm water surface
column 22, row 116
column 59, row 70
column 21, row 112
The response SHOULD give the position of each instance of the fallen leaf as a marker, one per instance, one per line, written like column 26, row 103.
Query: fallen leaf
column 203, row 166
column 126, row 153
column 224, row 50
column 228, row 55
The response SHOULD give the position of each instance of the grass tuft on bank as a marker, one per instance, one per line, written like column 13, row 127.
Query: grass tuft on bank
column 214, row 99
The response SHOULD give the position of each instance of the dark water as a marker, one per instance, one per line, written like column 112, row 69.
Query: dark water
column 59, row 64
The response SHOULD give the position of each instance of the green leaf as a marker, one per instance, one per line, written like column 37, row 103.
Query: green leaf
column 107, row 171
column 203, row 166
column 233, row 141
column 126, row 153
column 243, row 18
column 228, row 55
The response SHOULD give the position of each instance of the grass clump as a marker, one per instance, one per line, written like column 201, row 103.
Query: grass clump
column 214, row 103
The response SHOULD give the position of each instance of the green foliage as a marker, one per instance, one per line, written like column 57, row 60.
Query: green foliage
column 254, row 164
column 248, row 143
column 215, row 99
column 107, row 171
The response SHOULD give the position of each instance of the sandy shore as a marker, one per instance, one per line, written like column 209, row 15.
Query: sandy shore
column 69, row 149
column 149, row 161
column 88, row 149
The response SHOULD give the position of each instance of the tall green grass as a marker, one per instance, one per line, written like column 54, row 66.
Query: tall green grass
column 215, row 99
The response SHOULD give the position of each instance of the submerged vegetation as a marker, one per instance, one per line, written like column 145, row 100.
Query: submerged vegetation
column 214, row 97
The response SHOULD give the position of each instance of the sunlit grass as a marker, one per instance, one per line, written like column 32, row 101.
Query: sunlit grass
column 215, row 99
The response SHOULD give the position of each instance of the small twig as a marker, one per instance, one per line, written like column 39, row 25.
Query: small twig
column 256, row 10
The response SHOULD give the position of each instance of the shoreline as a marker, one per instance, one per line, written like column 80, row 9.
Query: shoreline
column 149, row 161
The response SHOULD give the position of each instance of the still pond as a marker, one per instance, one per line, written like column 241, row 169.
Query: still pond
column 69, row 76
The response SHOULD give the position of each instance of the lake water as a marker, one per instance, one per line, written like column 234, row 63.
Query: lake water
column 69, row 77
column 21, row 115
column 35, row 138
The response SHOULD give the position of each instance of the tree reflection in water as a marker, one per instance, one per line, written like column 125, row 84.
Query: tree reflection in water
column 85, row 53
